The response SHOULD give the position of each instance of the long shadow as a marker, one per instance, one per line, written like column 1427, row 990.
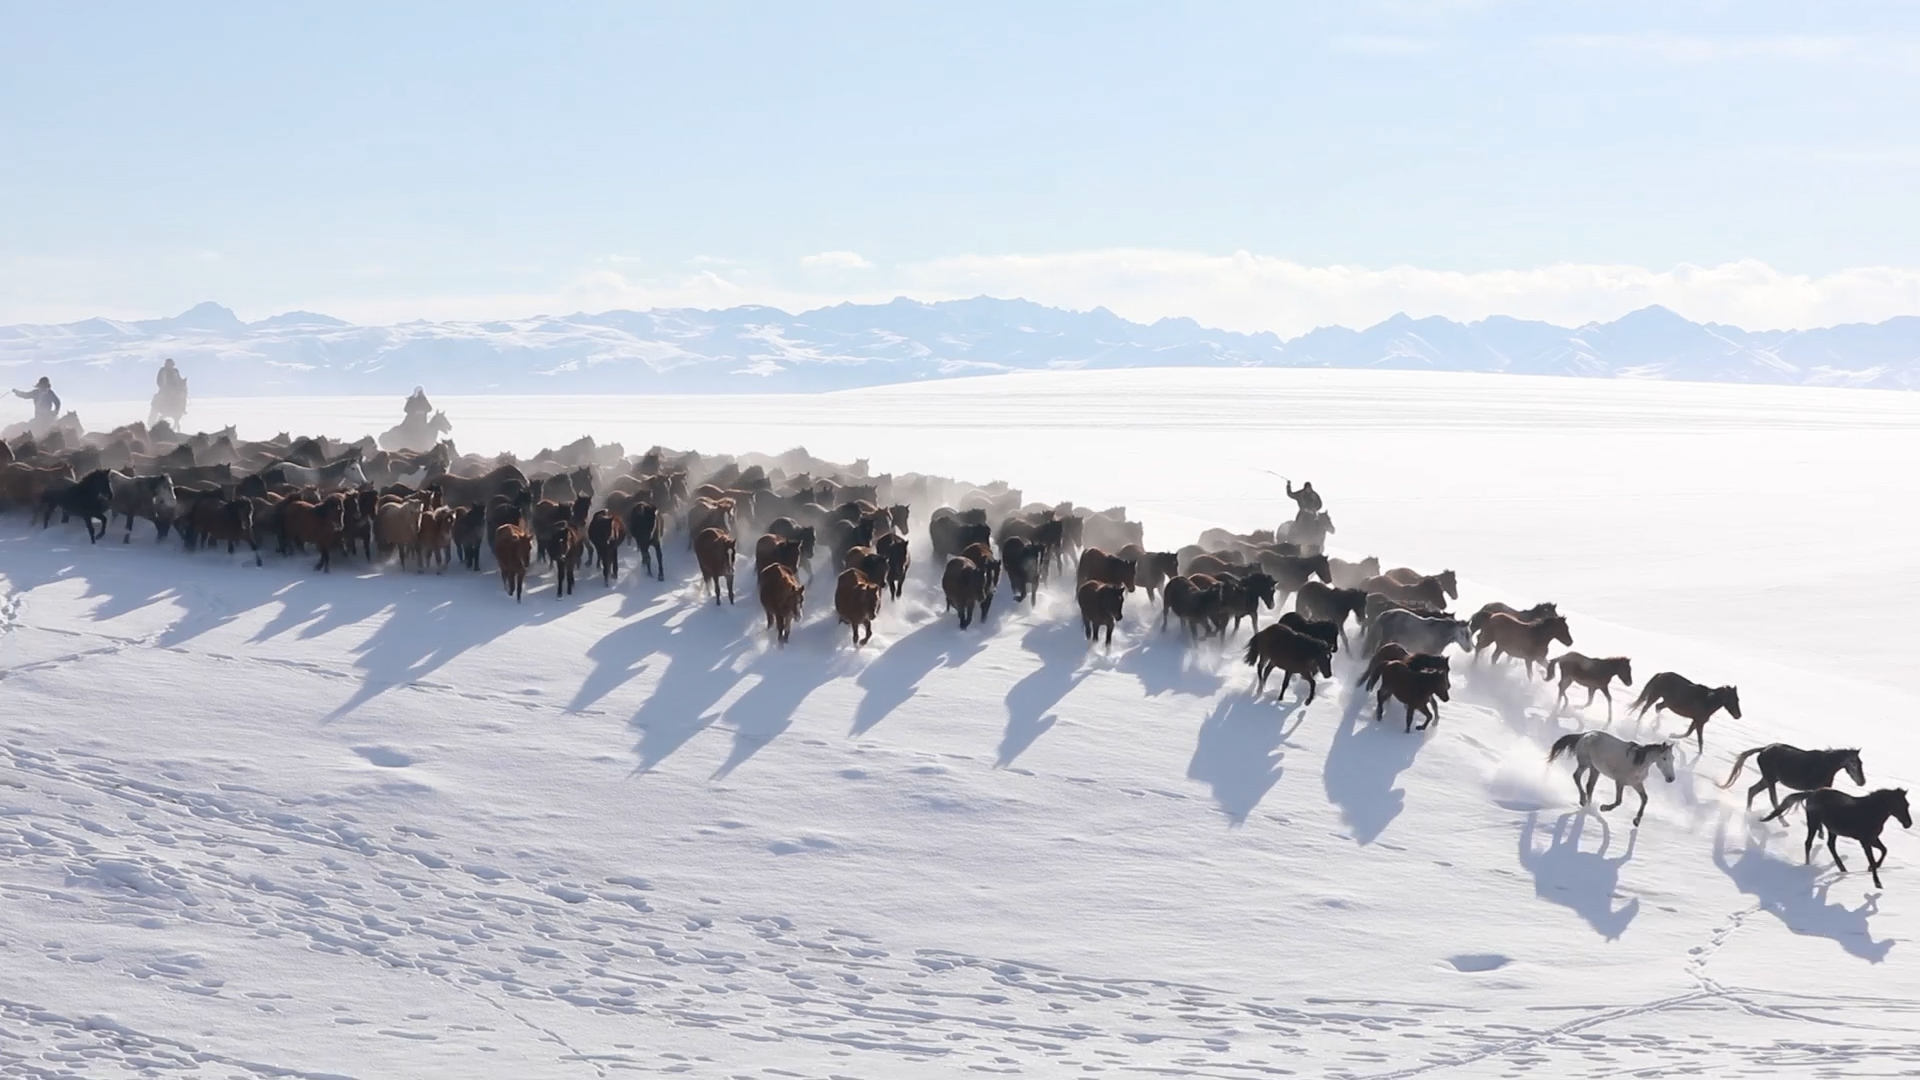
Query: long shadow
column 1167, row 663
column 1238, row 753
column 1585, row 882
column 1793, row 893
column 703, row 665
column 1364, row 760
column 1062, row 648
column 619, row 654
column 893, row 678
column 425, row 628
column 787, row 676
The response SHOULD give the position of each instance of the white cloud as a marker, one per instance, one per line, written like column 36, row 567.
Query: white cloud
column 835, row 260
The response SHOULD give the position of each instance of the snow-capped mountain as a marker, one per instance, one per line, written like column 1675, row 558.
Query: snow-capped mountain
column 850, row 345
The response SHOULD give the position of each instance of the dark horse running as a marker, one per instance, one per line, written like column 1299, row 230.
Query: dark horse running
column 1839, row 814
column 1800, row 770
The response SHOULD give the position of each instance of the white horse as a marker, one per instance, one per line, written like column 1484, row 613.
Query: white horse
column 1625, row 763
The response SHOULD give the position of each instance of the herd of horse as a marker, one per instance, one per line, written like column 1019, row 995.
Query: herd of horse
column 429, row 509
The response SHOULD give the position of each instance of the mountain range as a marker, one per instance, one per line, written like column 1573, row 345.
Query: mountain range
column 762, row 349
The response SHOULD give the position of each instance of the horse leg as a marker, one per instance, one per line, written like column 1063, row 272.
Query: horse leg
column 1766, row 786
column 1873, row 864
column 1643, row 803
column 1379, row 704
column 1593, row 781
column 1619, row 793
column 1312, row 687
column 1833, row 848
column 1409, row 717
column 1813, row 833
column 1609, row 694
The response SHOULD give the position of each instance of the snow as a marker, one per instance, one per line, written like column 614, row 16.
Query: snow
column 262, row 822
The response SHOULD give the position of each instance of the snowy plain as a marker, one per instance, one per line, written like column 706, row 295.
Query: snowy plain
column 259, row 822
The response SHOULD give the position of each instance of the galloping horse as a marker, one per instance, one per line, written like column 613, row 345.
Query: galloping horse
column 1625, row 763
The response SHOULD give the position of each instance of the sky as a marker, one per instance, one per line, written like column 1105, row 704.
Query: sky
column 1253, row 165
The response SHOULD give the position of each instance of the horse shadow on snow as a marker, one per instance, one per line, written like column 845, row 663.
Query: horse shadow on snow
column 1062, row 649
column 893, row 677
column 1587, row 882
column 1364, row 760
column 1792, row 892
column 1238, row 754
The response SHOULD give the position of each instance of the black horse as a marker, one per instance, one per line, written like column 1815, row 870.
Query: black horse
column 1801, row 770
column 90, row 499
column 1861, row 818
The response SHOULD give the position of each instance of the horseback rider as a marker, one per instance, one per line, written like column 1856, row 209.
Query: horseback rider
column 171, row 383
column 418, row 407
column 46, row 403
column 1305, row 497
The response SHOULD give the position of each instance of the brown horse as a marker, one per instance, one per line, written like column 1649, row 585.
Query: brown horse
column 566, row 545
column 966, row 588
column 1445, row 579
column 1151, row 568
column 1689, row 699
column 1426, row 592
column 780, row 597
column 1349, row 575
column 606, row 532
column 513, row 550
column 1537, row 611
column 770, row 549
column 1100, row 607
column 1592, row 672
column 1025, row 565
column 1527, row 641
column 1281, row 647
column 1194, row 601
column 1416, row 688
column 319, row 523
column 1393, row 650
column 713, row 549
column 1322, row 602
column 857, row 602
column 1097, row 565
column 893, row 548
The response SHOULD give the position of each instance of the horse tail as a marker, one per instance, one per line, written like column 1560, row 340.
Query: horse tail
column 1564, row 744
column 1551, row 664
column 1253, row 650
column 1645, row 700
column 1739, row 763
column 1787, row 804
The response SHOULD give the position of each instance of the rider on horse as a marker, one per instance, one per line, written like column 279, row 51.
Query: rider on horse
column 170, row 400
column 46, row 403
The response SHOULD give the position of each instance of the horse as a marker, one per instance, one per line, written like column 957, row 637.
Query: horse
column 1448, row 583
column 1593, row 672
column 1241, row 597
column 781, row 595
column 1415, row 687
column 150, row 497
column 513, row 550
column 856, row 600
column 713, row 549
column 1420, row 633
column 982, row 557
column 477, row 490
column 1292, row 652
column 343, row 473
column 397, row 529
column 1193, row 600
column 893, row 548
column 321, row 524
column 1320, row 630
column 1327, row 603
column 1537, row 611
column 89, row 498
column 1690, row 700
column 645, row 522
column 1625, row 763
column 1291, row 573
column 1526, row 641
column 1860, row 818
column 1097, row 565
column 1425, row 592
column 565, row 546
column 607, row 533
column 965, row 586
column 1151, row 568
column 1100, row 607
column 1025, row 567
column 1349, row 575
column 770, row 549
column 1390, row 652
column 212, row 519
column 1801, row 770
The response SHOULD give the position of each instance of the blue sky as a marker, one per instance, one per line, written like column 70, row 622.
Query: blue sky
column 479, row 161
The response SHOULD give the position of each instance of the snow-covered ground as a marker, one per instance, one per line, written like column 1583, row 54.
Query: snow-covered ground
column 262, row 822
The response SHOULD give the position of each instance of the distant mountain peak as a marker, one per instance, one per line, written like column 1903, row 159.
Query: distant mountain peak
column 846, row 345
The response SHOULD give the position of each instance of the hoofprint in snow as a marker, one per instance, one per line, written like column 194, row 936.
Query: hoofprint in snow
column 263, row 822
